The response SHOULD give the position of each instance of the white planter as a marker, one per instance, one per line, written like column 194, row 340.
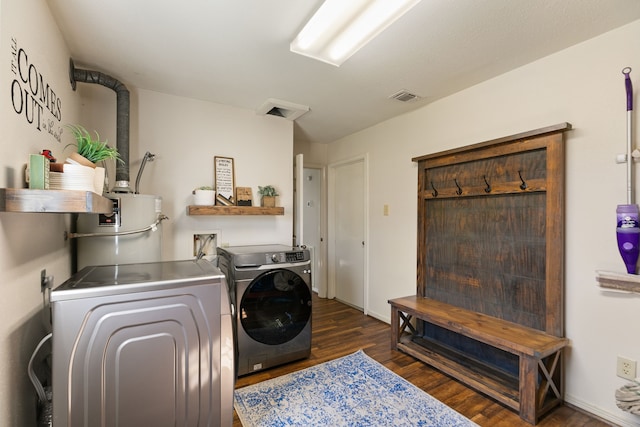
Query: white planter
column 77, row 159
column 74, row 177
column 204, row 197
column 98, row 180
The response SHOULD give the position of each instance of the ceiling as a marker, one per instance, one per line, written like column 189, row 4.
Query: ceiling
column 236, row 52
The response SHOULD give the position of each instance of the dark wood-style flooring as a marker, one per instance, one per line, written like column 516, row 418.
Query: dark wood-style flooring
column 339, row 330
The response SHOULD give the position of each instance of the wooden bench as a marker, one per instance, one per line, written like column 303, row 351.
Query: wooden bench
column 538, row 387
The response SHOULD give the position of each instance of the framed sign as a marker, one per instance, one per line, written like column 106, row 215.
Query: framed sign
column 225, row 180
column 244, row 196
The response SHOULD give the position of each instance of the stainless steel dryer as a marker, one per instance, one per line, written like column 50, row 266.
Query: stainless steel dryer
column 270, row 289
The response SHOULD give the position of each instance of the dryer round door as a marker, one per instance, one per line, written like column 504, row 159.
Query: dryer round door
column 275, row 307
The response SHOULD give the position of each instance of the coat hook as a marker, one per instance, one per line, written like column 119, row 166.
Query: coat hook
column 523, row 186
column 434, row 193
column 459, row 190
column 488, row 189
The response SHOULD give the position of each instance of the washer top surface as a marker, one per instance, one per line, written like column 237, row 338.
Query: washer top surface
column 125, row 278
column 255, row 255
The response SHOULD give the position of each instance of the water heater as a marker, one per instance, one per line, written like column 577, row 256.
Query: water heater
column 130, row 234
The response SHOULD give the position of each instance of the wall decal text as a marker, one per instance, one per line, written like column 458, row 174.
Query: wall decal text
column 31, row 95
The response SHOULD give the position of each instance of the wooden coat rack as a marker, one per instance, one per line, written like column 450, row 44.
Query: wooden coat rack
column 489, row 303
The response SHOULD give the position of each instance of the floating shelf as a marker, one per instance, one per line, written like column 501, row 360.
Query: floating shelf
column 53, row 201
column 233, row 210
column 620, row 281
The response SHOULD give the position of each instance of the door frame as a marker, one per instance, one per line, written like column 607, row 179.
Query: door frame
column 331, row 221
column 321, row 252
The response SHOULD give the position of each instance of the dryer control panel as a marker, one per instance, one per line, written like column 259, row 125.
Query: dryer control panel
column 287, row 257
column 294, row 256
column 243, row 257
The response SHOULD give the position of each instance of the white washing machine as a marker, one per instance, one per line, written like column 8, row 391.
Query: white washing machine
column 270, row 290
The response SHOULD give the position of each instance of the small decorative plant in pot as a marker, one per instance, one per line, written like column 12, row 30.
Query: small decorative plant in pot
column 90, row 149
column 89, row 152
column 267, row 196
column 204, row 196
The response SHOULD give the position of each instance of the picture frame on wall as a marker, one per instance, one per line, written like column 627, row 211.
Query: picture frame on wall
column 224, row 173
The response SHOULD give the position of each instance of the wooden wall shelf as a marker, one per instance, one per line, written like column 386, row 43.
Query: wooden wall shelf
column 53, row 201
column 233, row 210
column 618, row 281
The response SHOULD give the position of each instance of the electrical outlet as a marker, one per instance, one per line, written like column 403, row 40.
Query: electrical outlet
column 46, row 282
column 626, row 368
column 204, row 244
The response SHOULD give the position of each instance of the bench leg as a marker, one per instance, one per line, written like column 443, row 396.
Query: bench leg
column 536, row 399
column 548, row 370
column 528, row 382
column 395, row 324
column 398, row 329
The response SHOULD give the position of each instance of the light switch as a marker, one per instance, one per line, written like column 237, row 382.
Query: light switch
column 385, row 210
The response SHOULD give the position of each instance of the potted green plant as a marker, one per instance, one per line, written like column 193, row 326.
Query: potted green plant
column 89, row 152
column 90, row 148
column 267, row 196
column 204, row 196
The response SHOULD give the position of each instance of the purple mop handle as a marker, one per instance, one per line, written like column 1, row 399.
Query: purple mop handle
column 629, row 87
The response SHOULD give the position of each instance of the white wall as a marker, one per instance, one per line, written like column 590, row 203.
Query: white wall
column 185, row 135
column 582, row 85
column 28, row 242
column 314, row 153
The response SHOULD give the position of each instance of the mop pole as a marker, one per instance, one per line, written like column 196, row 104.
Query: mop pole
column 629, row 90
column 628, row 221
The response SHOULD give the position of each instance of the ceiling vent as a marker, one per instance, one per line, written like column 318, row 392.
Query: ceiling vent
column 284, row 109
column 404, row 96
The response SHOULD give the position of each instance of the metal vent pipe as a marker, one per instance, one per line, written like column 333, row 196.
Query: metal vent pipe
column 122, row 118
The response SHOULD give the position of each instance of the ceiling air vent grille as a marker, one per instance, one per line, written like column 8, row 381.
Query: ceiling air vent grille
column 404, row 96
column 275, row 111
column 284, row 109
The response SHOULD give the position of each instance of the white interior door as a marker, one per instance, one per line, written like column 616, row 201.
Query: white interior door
column 349, row 226
column 312, row 185
column 298, row 200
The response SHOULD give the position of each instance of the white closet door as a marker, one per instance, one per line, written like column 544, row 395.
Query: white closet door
column 349, row 232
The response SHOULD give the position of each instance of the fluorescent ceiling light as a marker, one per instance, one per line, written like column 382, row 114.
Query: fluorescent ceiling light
column 341, row 27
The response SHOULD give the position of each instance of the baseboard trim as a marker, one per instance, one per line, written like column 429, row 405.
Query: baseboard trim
column 599, row 413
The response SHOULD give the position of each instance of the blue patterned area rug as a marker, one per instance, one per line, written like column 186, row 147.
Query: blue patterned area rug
column 354, row 390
